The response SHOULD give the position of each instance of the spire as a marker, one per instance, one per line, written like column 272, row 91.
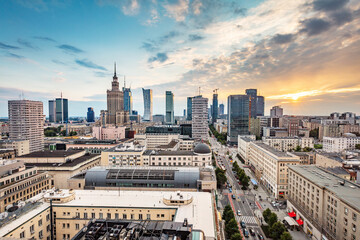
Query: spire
column 124, row 82
column 114, row 69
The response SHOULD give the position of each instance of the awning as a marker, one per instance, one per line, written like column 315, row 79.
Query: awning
column 292, row 214
column 300, row 222
column 290, row 221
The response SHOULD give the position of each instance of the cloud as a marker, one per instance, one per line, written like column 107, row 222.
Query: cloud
column 240, row 11
column 160, row 57
column 59, row 62
column 70, row 49
column 341, row 17
column 88, row 64
column 130, row 7
column 315, row 26
column 8, row 47
column 155, row 45
column 101, row 74
column 44, row 38
column 283, row 38
column 26, row 43
column 59, row 77
column 178, row 10
column 329, row 5
column 13, row 55
column 37, row 5
column 195, row 37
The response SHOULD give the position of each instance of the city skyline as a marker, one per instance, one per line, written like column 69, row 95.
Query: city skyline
column 164, row 46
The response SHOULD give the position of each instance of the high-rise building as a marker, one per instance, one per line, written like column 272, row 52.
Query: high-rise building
column 276, row 111
column 128, row 103
column 214, row 108
column 238, row 116
column 169, row 112
column 62, row 110
column 184, row 112
column 26, row 121
column 221, row 109
column 52, row 111
column 90, row 115
column 252, row 94
column 189, row 109
column 148, row 104
column 260, row 106
column 199, row 118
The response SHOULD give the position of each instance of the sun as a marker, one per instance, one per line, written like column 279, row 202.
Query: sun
column 295, row 98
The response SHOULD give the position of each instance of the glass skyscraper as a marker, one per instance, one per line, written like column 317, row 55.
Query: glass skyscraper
column 260, row 105
column 90, row 115
column 221, row 109
column 214, row 112
column 127, row 99
column 61, row 110
column 252, row 93
column 148, row 104
column 169, row 112
column 189, row 109
column 52, row 111
column 238, row 116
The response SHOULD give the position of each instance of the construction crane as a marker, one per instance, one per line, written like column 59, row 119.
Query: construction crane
column 215, row 90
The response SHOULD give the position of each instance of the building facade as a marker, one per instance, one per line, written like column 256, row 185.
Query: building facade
column 215, row 109
column 199, row 118
column 52, row 111
column 90, row 115
column 148, row 104
column 189, row 109
column 62, row 110
column 338, row 144
column 285, row 144
column 276, row 111
column 260, row 106
column 26, row 122
column 128, row 101
column 169, row 111
column 21, row 147
column 108, row 132
column 238, row 117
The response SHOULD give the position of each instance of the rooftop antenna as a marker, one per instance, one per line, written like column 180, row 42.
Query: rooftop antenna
column 114, row 69
column 199, row 91
column 124, row 82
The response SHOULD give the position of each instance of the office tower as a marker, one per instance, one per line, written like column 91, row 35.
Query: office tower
column 276, row 111
column 184, row 112
column 128, row 103
column 221, row 109
column 52, row 111
column 159, row 118
column 148, row 104
column 115, row 99
column 199, row 118
column 61, row 110
column 214, row 107
column 169, row 113
column 252, row 94
column 189, row 109
column 238, row 116
column 260, row 105
column 90, row 115
column 26, row 121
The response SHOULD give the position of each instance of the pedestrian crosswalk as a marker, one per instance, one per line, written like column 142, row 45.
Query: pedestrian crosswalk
column 247, row 219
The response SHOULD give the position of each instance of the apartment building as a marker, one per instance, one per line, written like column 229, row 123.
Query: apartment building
column 18, row 183
column 200, row 118
column 125, row 154
column 244, row 146
column 6, row 154
column 271, row 167
column 338, row 144
column 73, row 209
column 324, row 205
column 21, row 147
column 61, row 164
column 285, row 144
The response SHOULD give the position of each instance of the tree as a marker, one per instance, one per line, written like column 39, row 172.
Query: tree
column 236, row 236
column 314, row 133
column 272, row 219
column 297, row 149
column 357, row 146
column 266, row 214
column 318, row 146
column 220, row 177
column 49, row 133
column 286, row 236
column 73, row 133
column 276, row 230
column 231, row 227
column 63, row 133
column 228, row 214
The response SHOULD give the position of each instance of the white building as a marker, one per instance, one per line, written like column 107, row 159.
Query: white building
column 244, row 146
column 271, row 167
column 21, row 147
column 276, row 111
column 26, row 121
column 338, row 144
column 285, row 144
column 200, row 118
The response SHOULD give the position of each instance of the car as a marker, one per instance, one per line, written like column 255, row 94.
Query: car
column 238, row 213
column 246, row 232
column 229, row 185
column 233, row 196
column 260, row 237
column 230, row 190
column 242, row 224
column 251, row 231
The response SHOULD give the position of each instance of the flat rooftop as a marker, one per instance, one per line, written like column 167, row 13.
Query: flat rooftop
column 47, row 154
column 199, row 212
column 71, row 163
column 349, row 192
column 169, row 153
column 272, row 150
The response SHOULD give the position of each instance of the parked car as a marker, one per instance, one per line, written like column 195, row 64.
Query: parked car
column 242, row 224
column 238, row 213
column 233, row 196
column 230, row 190
column 260, row 236
column 251, row 231
column 246, row 233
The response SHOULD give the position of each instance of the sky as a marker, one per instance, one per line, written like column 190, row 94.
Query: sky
column 301, row 54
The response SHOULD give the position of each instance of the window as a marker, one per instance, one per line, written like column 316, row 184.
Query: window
column 22, row 234
column 48, row 217
column 92, row 215
column 63, row 225
column 77, row 226
column 148, row 217
column 68, row 225
column 48, row 228
column 77, row 214
column 101, row 215
column 85, row 215
column 354, row 216
column 40, row 222
column 124, row 216
column 346, row 211
column 108, row 216
column 140, row 216
column 116, row 216
column 354, row 227
column 32, row 228
column 131, row 216
column 41, row 234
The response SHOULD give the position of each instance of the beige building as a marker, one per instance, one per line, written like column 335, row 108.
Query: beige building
column 61, row 165
column 18, row 183
column 326, row 160
column 26, row 121
column 324, row 205
column 271, row 167
column 21, row 147
column 285, row 144
column 244, row 146
column 73, row 209
column 7, row 154
column 125, row 154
